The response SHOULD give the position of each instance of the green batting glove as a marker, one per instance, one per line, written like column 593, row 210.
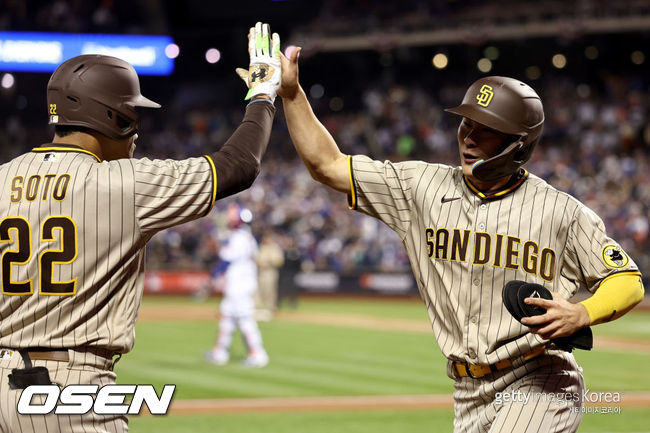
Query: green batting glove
column 263, row 75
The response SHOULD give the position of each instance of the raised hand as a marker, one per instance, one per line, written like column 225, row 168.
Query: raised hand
column 289, row 85
column 263, row 74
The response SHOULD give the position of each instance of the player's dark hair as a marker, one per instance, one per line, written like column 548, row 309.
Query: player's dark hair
column 64, row 130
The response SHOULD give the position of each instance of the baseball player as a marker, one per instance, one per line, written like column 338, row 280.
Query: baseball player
column 76, row 214
column 471, row 229
column 238, row 266
column 270, row 259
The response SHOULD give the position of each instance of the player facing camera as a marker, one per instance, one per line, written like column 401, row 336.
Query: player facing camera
column 468, row 231
column 502, row 122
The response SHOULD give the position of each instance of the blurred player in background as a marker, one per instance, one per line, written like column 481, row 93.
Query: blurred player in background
column 269, row 260
column 76, row 214
column 237, row 272
column 288, row 289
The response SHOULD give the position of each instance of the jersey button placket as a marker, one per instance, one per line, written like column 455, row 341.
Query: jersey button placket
column 482, row 211
column 473, row 320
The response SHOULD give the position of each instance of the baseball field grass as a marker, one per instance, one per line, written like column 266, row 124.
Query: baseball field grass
column 345, row 365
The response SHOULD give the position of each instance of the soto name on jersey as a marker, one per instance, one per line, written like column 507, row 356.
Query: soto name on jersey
column 39, row 186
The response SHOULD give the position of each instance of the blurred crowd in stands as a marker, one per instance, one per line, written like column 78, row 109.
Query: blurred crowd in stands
column 595, row 146
column 80, row 16
column 357, row 17
column 325, row 17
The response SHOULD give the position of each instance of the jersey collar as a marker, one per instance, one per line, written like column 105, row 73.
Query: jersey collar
column 515, row 182
column 64, row 147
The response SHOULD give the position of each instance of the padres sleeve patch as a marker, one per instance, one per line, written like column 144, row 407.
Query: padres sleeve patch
column 614, row 257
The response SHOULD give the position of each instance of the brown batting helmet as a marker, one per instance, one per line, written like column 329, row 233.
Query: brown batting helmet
column 509, row 106
column 97, row 92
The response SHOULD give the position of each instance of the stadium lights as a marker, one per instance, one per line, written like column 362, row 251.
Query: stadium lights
column 591, row 52
column 213, row 55
column 8, row 81
column 491, row 53
column 317, row 91
column 533, row 72
column 559, row 61
column 172, row 51
column 484, row 65
column 440, row 61
column 637, row 57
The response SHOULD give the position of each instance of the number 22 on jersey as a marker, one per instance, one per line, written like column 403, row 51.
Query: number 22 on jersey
column 59, row 233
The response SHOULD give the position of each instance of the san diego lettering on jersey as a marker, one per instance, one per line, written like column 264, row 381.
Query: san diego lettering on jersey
column 498, row 250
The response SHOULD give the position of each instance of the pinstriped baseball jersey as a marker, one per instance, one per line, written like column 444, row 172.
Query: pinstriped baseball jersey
column 72, row 236
column 465, row 246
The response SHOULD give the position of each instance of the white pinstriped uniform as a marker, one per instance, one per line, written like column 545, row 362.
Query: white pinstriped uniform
column 72, row 231
column 240, row 251
column 237, row 307
column 464, row 247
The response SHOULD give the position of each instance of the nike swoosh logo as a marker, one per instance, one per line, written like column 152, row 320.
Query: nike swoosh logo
column 445, row 199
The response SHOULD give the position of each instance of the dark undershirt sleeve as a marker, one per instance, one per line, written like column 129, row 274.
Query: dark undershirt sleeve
column 237, row 163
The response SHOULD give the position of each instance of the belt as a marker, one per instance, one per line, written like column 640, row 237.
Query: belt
column 61, row 355
column 49, row 355
column 464, row 369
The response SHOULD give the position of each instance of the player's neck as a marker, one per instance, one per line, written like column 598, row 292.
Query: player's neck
column 85, row 141
column 489, row 187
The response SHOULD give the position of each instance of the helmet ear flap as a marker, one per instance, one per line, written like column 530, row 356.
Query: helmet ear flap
column 526, row 151
column 122, row 122
column 505, row 163
column 519, row 155
column 522, row 155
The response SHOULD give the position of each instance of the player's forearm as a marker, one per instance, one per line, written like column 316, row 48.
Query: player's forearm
column 313, row 142
column 237, row 163
column 616, row 295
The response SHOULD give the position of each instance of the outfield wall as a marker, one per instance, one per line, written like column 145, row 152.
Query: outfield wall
column 362, row 284
column 372, row 283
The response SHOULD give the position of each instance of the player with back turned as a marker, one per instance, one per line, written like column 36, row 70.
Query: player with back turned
column 76, row 214
column 473, row 229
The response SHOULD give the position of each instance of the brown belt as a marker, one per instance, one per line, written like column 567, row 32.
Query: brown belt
column 49, row 355
column 61, row 355
column 464, row 369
